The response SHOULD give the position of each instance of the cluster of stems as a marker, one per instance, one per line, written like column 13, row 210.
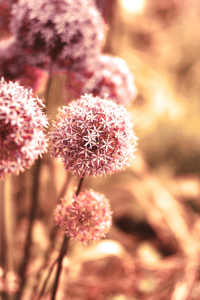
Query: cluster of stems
column 58, row 261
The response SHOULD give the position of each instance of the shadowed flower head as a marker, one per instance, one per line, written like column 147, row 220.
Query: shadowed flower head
column 107, row 75
column 12, row 59
column 21, row 128
column 87, row 218
column 14, row 65
column 93, row 137
column 61, row 31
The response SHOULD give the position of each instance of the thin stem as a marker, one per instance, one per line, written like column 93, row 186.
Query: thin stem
column 48, row 89
column 63, row 250
column 46, row 280
column 32, row 214
column 79, row 186
column 64, row 247
column 3, row 240
column 52, row 238
column 61, row 256
column 23, row 266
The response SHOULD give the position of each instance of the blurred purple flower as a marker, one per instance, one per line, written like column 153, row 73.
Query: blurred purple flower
column 60, row 31
column 93, row 137
column 15, row 65
column 86, row 217
column 106, row 75
column 12, row 59
column 21, row 128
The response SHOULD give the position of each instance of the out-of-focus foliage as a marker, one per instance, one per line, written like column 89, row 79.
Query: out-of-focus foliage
column 161, row 46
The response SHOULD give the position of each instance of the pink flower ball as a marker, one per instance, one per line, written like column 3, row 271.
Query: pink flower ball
column 57, row 32
column 93, row 137
column 105, row 76
column 22, row 124
column 87, row 218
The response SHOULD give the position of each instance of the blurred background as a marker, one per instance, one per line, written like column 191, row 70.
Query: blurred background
column 152, row 249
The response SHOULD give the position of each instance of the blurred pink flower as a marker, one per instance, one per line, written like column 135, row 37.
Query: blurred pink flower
column 105, row 75
column 15, row 65
column 87, row 218
column 12, row 59
column 93, row 136
column 60, row 31
column 110, row 75
column 22, row 122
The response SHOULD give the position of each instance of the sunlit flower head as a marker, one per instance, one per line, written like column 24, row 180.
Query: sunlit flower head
column 22, row 122
column 107, row 75
column 57, row 31
column 86, row 217
column 93, row 137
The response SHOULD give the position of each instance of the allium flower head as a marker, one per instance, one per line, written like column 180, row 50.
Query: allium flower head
column 87, row 218
column 21, row 128
column 93, row 136
column 108, row 75
column 33, row 77
column 61, row 31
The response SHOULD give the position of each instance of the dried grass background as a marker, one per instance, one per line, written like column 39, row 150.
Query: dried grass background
column 152, row 249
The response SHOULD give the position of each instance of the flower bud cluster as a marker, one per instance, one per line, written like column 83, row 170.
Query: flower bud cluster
column 60, row 31
column 87, row 217
column 93, row 137
column 22, row 124
column 67, row 36
column 109, row 75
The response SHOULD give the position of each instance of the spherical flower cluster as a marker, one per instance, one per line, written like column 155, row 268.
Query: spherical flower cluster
column 21, row 128
column 93, row 137
column 108, row 75
column 61, row 31
column 87, row 218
